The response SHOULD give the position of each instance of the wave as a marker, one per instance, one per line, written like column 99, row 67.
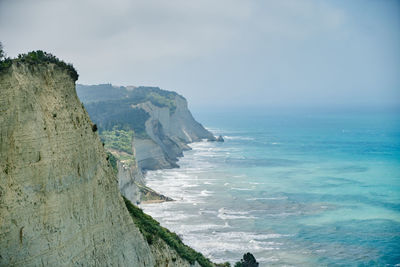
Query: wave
column 241, row 189
column 226, row 214
column 266, row 198
column 217, row 243
column 227, row 137
column 206, row 193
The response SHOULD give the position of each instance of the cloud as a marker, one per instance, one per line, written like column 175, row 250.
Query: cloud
column 284, row 51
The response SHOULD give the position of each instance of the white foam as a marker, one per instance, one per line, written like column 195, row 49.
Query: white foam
column 206, row 193
column 227, row 137
column 267, row 260
column 241, row 189
column 226, row 214
column 266, row 198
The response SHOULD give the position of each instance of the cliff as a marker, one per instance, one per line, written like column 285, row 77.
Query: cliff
column 158, row 121
column 59, row 198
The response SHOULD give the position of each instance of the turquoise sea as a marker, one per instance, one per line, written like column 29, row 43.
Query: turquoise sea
column 295, row 189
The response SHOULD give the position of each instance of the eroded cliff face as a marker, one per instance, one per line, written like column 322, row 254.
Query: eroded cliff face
column 169, row 134
column 59, row 197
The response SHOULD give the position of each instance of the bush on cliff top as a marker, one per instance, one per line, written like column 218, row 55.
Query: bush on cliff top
column 39, row 57
column 151, row 230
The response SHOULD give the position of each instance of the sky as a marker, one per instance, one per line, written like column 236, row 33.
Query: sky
column 237, row 53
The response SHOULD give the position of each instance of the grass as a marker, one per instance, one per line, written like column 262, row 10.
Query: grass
column 152, row 230
column 120, row 140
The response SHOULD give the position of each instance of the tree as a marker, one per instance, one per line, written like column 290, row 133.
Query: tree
column 2, row 54
column 247, row 261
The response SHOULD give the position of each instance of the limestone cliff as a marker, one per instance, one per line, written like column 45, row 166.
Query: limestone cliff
column 59, row 198
column 168, row 134
column 161, row 122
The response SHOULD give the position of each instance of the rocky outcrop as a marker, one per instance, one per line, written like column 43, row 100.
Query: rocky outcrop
column 132, row 186
column 128, row 179
column 59, row 198
column 220, row 139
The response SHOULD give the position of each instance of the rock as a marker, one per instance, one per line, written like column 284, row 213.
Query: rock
column 220, row 139
column 211, row 139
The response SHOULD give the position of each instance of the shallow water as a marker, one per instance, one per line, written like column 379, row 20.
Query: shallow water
column 294, row 190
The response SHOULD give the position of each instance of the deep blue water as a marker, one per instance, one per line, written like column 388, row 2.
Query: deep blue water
column 296, row 189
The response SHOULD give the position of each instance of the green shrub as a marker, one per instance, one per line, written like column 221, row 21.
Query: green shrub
column 248, row 261
column 113, row 161
column 39, row 57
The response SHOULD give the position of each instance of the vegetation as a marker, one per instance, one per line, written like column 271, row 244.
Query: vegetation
column 152, row 230
column 119, row 114
column 5, row 62
column 248, row 261
column 2, row 54
column 113, row 161
column 162, row 101
column 35, row 58
column 120, row 140
column 106, row 92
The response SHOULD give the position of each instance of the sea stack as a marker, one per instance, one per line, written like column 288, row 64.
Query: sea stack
column 220, row 139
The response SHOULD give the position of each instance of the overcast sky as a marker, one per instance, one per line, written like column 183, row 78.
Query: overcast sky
column 222, row 53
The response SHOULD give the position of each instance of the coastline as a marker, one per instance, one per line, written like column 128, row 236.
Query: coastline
column 272, row 192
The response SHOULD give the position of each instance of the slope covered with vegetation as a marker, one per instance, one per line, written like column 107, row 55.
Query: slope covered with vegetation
column 152, row 230
column 90, row 94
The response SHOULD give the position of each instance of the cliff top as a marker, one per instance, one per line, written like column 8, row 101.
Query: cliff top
column 135, row 95
column 35, row 58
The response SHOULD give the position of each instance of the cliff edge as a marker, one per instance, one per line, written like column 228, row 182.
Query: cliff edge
column 59, row 197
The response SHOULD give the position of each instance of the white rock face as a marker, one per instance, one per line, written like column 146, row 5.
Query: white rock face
column 168, row 134
column 184, row 126
column 150, row 155
column 128, row 178
column 59, row 198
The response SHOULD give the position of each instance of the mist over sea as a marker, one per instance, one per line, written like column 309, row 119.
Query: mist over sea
column 295, row 189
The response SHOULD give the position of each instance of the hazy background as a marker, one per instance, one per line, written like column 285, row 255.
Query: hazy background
column 222, row 53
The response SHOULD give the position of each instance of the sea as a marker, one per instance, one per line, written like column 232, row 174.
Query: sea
column 301, row 188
